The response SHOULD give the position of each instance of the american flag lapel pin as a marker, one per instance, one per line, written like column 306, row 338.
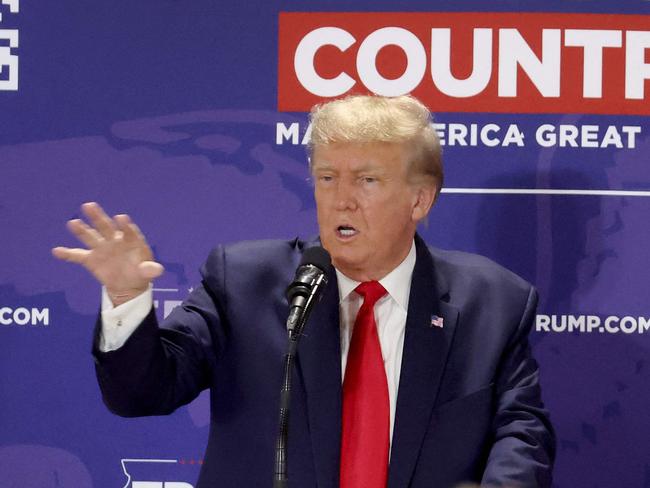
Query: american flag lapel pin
column 436, row 321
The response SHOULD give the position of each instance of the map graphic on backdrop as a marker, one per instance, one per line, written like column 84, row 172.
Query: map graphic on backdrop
column 174, row 113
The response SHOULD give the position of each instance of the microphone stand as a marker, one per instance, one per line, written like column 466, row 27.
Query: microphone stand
column 280, row 480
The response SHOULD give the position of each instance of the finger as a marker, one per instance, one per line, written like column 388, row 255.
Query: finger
column 86, row 234
column 131, row 231
column 150, row 270
column 99, row 219
column 72, row 255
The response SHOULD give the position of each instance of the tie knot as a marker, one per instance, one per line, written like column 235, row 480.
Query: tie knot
column 371, row 291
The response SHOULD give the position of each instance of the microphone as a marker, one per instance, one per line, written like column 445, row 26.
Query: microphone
column 309, row 282
column 302, row 293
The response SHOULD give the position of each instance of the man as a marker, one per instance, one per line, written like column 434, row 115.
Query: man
column 415, row 370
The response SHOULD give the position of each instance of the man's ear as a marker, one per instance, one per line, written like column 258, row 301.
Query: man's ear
column 425, row 196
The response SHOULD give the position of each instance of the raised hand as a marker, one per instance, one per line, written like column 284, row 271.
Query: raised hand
column 117, row 253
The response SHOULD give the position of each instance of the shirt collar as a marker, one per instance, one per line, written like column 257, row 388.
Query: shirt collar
column 397, row 283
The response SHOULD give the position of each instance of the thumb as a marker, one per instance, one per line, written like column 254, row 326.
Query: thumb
column 150, row 270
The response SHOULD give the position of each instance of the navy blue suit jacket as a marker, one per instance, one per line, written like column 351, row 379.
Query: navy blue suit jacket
column 468, row 406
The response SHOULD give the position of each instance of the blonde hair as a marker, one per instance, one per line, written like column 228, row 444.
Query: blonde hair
column 372, row 118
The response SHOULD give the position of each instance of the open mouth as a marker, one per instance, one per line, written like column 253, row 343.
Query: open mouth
column 346, row 231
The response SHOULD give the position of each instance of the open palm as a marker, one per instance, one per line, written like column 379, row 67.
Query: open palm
column 117, row 254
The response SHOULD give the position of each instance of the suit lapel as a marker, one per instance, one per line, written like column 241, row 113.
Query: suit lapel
column 319, row 364
column 423, row 360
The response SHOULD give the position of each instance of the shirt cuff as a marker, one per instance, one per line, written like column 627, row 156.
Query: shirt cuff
column 118, row 323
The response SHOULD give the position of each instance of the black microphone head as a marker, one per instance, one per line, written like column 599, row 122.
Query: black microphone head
column 307, row 286
column 317, row 256
column 315, row 262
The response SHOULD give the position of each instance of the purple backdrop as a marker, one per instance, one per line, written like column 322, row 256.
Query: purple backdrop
column 167, row 110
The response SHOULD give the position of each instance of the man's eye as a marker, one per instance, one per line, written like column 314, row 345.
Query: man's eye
column 368, row 179
column 325, row 178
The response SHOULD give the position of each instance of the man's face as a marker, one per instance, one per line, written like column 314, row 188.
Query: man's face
column 367, row 209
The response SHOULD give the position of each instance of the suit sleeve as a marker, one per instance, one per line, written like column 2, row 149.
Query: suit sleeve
column 523, row 449
column 160, row 368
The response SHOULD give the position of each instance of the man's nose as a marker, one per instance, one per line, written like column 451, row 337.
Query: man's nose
column 346, row 196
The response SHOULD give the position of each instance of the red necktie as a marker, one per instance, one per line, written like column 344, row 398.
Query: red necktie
column 366, row 414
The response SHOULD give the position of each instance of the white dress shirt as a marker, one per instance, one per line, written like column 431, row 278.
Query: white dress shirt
column 390, row 316
column 118, row 323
